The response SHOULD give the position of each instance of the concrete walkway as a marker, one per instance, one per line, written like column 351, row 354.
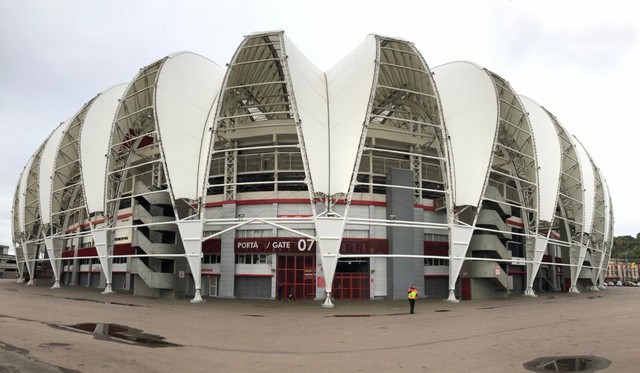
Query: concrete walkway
column 269, row 336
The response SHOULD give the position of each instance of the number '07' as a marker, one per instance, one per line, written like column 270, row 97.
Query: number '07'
column 305, row 245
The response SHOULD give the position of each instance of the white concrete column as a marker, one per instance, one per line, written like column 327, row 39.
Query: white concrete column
column 103, row 239
column 577, row 254
column 539, row 249
column 329, row 231
column 54, row 250
column 20, row 264
column 459, row 239
column 191, row 234
column 599, row 278
column 30, row 260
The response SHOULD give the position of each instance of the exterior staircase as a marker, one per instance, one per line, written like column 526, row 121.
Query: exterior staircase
column 151, row 238
column 486, row 269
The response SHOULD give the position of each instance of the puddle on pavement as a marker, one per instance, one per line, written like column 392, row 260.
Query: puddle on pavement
column 118, row 333
column 442, row 311
column 254, row 315
column 585, row 364
column 362, row 315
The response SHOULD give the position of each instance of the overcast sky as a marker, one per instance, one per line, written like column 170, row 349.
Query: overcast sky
column 578, row 59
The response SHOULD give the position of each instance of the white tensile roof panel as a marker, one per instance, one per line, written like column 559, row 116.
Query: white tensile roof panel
column 470, row 109
column 207, row 137
column 94, row 145
column 607, row 209
column 22, row 194
column 310, row 89
column 187, row 87
column 549, row 157
column 47, row 165
column 588, row 185
column 349, row 86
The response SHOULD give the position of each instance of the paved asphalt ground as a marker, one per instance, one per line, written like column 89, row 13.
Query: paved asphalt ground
column 225, row 335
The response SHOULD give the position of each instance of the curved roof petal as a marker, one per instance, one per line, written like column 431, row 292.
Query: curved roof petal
column 589, row 185
column 349, row 84
column 94, row 144
column 470, row 111
column 549, row 157
column 47, row 165
column 22, row 194
column 310, row 90
column 186, row 89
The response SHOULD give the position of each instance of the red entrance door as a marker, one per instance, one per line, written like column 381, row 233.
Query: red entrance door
column 465, row 288
column 351, row 285
column 297, row 273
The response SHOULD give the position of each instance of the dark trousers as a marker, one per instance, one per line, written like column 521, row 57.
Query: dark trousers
column 412, row 303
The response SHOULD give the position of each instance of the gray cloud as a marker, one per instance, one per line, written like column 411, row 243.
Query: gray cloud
column 522, row 38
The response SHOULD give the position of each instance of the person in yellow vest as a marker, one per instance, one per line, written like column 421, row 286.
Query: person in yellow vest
column 413, row 294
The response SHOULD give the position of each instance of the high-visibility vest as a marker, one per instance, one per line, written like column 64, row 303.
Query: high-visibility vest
column 413, row 294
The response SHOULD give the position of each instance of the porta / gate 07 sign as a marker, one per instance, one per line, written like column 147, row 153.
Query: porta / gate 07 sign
column 274, row 245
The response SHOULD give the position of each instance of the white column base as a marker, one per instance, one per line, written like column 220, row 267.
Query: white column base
column 108, row 290
column 56, row 285
column 594, row 288
column 452, row 298
column 30, row 282
column 530, row 293
column 602, row 287
column 327, row 302
column 574, row 290
column 20, row 281
column 197, row 298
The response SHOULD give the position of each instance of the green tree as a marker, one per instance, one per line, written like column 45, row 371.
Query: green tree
column 626, row 247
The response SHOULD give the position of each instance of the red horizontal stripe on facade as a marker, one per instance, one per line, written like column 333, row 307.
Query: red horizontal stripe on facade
column 425, row 207
column 119, row 249
column 123, row 249
column 95, row 222
column 436, row 248
column 514, row 272
column 301, row 201
column 368, row 203
column 515, row 223
column 87, row 251
column 212, row 246
column 251, row 275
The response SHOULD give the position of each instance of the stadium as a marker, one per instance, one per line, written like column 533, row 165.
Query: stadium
column 271, row 177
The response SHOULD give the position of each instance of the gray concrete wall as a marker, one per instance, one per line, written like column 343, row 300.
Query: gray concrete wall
column 483, row 288
column 401, row 272
column 227, row 256
column 142, row 289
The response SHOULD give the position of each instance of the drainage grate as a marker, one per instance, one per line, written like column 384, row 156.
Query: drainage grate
column 585, row 364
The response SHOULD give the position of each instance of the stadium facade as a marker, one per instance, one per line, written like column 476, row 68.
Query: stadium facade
column 271, row 176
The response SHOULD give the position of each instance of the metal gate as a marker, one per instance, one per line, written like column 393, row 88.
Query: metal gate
column 297, row 274
column 351, row 285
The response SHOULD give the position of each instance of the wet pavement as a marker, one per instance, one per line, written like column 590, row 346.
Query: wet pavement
column 80, row 330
